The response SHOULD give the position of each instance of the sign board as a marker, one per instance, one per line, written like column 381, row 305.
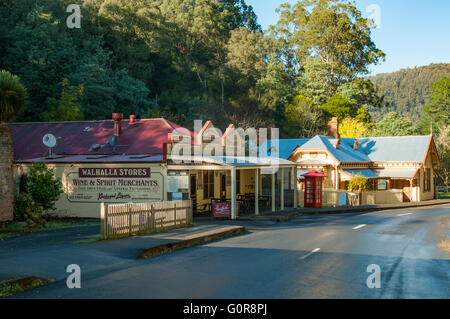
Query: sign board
column 177, row 196
column 178, row 182
column 223, row 209
column 342, row 199
column 117, row 184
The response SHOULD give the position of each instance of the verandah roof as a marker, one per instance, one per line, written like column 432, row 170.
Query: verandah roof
column 384, row 172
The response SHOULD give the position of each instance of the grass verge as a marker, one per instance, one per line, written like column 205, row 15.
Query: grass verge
column 12, row 229
column 89, row 239
column 14, row 286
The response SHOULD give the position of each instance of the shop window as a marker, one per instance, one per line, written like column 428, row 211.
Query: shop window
column 238, row 181
column 208, row 184
column 381, row 184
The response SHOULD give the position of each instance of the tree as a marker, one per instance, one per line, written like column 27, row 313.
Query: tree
column 393, row 124
column 363, row 116
column 350, row 127
column 363, row 96
column 332, row 43
column 303, row 119
column 240, row 15
column 442, row 141
column 339, row 106
column 248, row 54
column 13, row 96
column 438, row 110
column 354, row 99
column 67, row 108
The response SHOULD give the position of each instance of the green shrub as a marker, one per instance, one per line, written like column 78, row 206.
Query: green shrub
column 26, row 209
column 43, row 186
column 38, row 193
column 359, row 183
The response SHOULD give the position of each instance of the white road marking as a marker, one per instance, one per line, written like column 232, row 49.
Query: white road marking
column 310, row 253
column 360, row 226
column 404, row 214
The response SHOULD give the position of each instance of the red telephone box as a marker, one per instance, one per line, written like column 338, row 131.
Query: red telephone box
column 313, row 189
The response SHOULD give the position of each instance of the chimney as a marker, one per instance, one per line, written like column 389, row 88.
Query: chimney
column 117, row 118
column 355, row 145
column 132, row 118
column 333, row 130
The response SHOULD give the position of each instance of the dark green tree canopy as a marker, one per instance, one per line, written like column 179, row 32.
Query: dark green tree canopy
column 13, row 96
column 191, row 59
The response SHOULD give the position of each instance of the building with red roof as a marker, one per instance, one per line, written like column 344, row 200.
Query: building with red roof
column 125, row 160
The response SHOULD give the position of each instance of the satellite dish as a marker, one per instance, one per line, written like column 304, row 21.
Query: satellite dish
column 49, row 140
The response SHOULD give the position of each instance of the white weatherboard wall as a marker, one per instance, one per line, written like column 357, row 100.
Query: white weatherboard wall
column 82, row 195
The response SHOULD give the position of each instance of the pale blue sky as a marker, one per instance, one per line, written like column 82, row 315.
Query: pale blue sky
column 412, row 32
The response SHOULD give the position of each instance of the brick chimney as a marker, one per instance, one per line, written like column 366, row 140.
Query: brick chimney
column 132, row 118
column 333, row 130
column 117, row 118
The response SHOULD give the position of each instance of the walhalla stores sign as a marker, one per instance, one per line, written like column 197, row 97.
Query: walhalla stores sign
column 122, row 184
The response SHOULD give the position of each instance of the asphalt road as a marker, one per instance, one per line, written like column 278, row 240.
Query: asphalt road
column 317, row 256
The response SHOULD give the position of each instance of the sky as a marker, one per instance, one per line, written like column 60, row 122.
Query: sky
column 411, row 32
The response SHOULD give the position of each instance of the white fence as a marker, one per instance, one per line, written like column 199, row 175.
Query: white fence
column 123, row 220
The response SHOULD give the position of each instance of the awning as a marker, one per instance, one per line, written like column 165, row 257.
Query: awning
column 230, row 161
column 396, row 172
column 390, row 172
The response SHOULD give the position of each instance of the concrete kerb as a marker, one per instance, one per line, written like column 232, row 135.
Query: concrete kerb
column 358, row 209
column 195, row 240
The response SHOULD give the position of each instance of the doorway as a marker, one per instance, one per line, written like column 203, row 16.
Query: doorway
column 193, row 192
column 223, row 187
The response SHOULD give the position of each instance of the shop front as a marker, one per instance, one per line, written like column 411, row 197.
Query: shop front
column 87, row 184
column 225, row 187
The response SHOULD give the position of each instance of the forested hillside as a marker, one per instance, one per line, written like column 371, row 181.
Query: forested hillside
column 186, row 60
column 408, row 90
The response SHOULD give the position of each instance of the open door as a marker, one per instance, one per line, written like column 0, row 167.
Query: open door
column 223, row 186
column 406, row 191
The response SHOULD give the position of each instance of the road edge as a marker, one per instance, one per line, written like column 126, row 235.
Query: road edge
column 354, row 209
column 199, row 240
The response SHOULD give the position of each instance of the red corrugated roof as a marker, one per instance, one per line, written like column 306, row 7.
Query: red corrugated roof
column 146, row 136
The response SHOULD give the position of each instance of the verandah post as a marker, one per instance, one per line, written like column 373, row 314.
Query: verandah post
column 129, row 220
column 103, row 220
column 175, row 214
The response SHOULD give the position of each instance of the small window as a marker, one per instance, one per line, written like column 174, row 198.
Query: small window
column 427, row 180
column 382, row 184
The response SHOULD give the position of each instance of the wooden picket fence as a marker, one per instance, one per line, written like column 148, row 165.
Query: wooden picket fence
column 123, row 220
